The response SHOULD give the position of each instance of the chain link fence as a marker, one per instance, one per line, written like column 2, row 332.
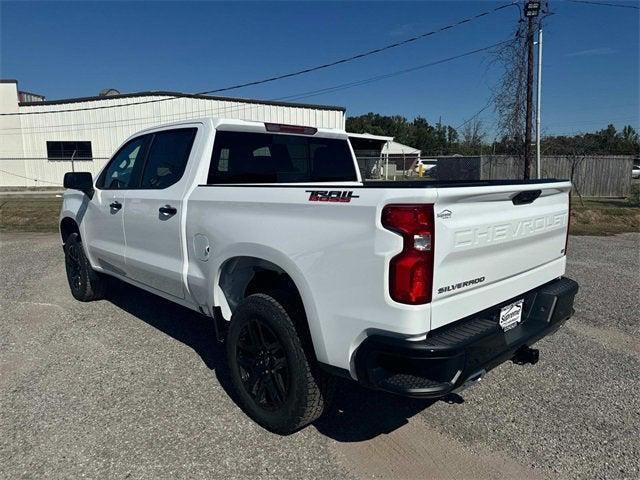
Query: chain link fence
column 414, row 167
column 592, row 176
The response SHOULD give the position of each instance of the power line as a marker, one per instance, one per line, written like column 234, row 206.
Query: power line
column 376, row 78
column 475, row 114
column 29, row 178
column 44, row 128
column 129, row 121
column 290, row 74
column 311, row 93
column 367, row 53
column 605, row 4
column 53, row 160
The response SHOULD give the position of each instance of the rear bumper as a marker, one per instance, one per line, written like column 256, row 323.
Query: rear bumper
column 452, row 355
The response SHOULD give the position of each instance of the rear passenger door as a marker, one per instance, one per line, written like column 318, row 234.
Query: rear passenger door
column 152, row 220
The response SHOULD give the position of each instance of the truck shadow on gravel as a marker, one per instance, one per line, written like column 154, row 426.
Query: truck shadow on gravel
column 357, row 414
column 360, row 414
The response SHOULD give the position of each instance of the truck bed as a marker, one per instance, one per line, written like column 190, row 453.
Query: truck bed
column 454, row 183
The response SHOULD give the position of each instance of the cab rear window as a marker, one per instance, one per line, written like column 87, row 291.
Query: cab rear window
column 244, row 157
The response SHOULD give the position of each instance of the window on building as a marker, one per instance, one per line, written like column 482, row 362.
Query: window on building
column 244, row 157
column 68, row 150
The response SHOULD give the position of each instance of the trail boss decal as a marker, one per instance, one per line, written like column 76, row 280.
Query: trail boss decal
column 342, row 196
column 457, row 286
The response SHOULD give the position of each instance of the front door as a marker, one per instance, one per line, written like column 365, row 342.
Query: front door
column 153, row 218
column 104, row 234
column 104, row 228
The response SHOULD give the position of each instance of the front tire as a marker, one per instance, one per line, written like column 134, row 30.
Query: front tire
column 275, row 383
column 85, row 283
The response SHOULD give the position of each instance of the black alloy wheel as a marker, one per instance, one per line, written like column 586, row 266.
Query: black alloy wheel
column 263, row 365
column 74, row 266
column 276, row 380
column 85, row 283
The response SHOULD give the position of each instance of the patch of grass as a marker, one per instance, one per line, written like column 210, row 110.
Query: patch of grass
column 29, row 213
column 605, row 216
column 34, row 213
column 634, row 198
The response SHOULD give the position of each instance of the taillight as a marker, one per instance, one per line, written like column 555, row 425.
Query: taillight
column 411, row 271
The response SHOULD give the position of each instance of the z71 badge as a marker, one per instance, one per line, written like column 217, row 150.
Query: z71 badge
column 342, row 196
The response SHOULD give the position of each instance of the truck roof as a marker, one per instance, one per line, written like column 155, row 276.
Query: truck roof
column 221, row 123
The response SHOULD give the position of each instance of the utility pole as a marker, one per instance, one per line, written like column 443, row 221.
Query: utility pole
column 532, row 8
column 539, row 101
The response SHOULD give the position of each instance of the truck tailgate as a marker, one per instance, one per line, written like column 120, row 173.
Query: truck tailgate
column 493, row 243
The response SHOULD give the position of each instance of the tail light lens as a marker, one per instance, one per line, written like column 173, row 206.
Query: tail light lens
column 411, row 271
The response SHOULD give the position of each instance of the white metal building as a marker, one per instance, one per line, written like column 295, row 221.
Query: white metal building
column 36, row 148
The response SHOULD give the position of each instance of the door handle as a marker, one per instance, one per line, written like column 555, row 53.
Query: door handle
column 168, row 210
column 115, row 205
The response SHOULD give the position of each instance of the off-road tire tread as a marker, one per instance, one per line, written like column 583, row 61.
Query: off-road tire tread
column 315, row 404
column 318, row 384
column 94, row 283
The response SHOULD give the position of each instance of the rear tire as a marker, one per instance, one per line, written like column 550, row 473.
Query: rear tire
column 85, row 283
column 275, row 382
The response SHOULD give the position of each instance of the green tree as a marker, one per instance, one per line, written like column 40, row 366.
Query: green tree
column 440, row 139
column 607, row 141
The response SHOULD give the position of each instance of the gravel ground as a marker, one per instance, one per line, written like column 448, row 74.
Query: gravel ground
column 577, row 412
column 135, row 387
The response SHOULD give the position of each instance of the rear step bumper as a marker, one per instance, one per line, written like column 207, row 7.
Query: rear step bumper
column 456, row 355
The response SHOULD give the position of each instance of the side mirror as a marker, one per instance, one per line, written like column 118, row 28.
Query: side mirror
column 79, row 181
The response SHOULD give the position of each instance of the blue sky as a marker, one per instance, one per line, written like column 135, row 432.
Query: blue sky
column 61, row 50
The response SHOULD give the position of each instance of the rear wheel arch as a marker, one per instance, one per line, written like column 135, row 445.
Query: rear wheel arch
column 243, row 276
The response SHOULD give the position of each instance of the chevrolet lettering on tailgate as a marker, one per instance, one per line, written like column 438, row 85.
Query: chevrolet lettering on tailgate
column 503, row 232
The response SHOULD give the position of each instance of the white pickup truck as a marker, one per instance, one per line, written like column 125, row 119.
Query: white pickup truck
column 416, row 288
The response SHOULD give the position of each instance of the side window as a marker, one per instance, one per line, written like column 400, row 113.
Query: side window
column 124, row 169
column 244, row 157
column 167, row 158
